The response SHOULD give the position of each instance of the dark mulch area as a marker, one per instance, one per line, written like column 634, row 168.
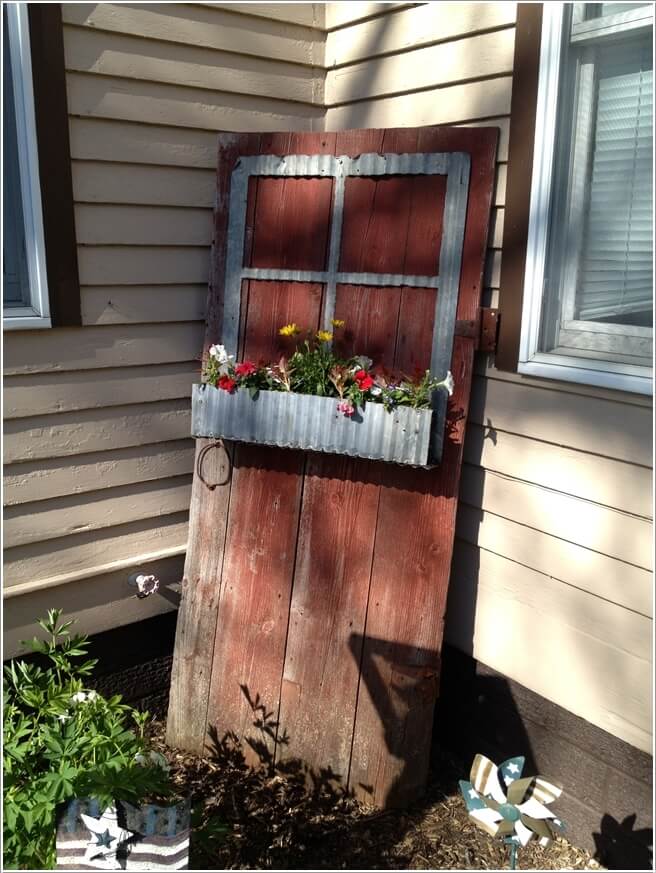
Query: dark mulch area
column 267, row 818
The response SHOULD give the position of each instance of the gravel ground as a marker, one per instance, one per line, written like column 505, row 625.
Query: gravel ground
column 270, row 819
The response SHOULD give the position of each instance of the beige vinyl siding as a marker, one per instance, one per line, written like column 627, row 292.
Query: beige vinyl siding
column 551, row 580
column 97, row 449
column 552, row 573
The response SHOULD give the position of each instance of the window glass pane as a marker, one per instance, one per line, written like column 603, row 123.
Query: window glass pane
column 615, row 275
column 598, row 300
column 14, row 264
column 597, row 10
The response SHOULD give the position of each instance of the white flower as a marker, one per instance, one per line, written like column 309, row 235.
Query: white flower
column 78, row 697
column 448, row 383
column 220, row 353
column 140, row 759
column 64, row 716
column 364, row 363
column 376, row 391
column 92, row 695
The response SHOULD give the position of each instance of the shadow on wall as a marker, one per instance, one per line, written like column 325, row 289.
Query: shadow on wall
column 606, row 803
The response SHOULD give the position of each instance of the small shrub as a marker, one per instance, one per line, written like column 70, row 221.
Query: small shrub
column 63, row 741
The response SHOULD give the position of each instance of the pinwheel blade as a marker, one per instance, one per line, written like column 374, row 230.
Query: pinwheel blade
column 535, row 809
column 487, row 819
column 520, row 790
column 472, row 798
column 545, row 790
column 512, row 769
column 485, row 778
column 524, row 834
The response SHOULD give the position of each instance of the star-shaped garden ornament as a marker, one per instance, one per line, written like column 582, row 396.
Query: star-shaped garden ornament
column 503, row 804
column 106, row 836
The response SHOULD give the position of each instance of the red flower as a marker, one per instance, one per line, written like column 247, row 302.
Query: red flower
column 247, row 368
column 364, row 380
column 226, row 383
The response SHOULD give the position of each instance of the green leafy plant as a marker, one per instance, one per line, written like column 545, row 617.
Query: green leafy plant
column 314, row 368
column 63, row 741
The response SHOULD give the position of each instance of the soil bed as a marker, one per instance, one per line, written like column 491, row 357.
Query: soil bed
column 268, row 818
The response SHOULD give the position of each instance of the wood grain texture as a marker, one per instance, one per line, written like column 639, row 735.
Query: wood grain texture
column 343, row 653
column 197, row 614
column 414, row 537
column 253, row 621
column 329, row 604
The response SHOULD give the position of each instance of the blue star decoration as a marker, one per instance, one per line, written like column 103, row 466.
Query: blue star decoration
column 104, row 839
column 104, row 831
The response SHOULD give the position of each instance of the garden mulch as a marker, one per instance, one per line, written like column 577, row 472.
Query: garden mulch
column 270, row 818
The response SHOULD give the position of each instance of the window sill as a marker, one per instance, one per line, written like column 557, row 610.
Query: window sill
column 638, row 380
column 25, row 322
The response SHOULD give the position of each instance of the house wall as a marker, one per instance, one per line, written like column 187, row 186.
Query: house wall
column 550, row 584
column 97, row 449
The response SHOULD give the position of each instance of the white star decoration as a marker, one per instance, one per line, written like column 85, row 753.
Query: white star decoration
column 513, row 768
column 473, row 793
column 105, row 837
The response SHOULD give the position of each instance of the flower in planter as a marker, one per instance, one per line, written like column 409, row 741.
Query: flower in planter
column 226, row 383
column 289, row 329
column 363, row 362
column 346, row 408
column 364, row 380
column 246, row 368
column 337, row 322
column 324, row 336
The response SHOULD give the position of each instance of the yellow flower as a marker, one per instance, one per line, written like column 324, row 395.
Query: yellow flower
column 337, row 322
column 289, row 330
column 324, row 336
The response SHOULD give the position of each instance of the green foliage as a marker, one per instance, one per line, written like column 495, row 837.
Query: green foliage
column 314, row 368
column 61, row 741
column 209, row 830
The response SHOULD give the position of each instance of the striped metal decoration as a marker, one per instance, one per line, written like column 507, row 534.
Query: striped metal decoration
column 151, row 837
column 504, row 804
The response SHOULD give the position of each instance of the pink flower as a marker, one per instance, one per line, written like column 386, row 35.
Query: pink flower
column 346, row 408
column 247, row 368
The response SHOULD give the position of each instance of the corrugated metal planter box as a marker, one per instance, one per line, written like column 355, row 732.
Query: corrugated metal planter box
column 303, row 421
column 158, row 837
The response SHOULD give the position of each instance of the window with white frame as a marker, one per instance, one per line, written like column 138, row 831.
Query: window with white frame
column 24, row 283
column 588, row 290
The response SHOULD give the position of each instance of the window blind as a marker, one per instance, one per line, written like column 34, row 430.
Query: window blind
column 615, row 269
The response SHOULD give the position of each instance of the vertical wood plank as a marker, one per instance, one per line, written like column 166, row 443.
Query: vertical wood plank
column 198, row 611
column 414, row 540
column 331, row 584
column 263, row 522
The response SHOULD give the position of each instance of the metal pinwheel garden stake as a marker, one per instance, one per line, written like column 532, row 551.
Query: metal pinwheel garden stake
column 505, row 805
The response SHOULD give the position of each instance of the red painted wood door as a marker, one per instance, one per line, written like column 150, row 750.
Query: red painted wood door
column 315, row 586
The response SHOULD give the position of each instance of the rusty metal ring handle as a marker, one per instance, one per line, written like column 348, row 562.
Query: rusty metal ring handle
column 201, row 457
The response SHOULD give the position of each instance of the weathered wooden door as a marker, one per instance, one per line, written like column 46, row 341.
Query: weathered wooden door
column 315, row 586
